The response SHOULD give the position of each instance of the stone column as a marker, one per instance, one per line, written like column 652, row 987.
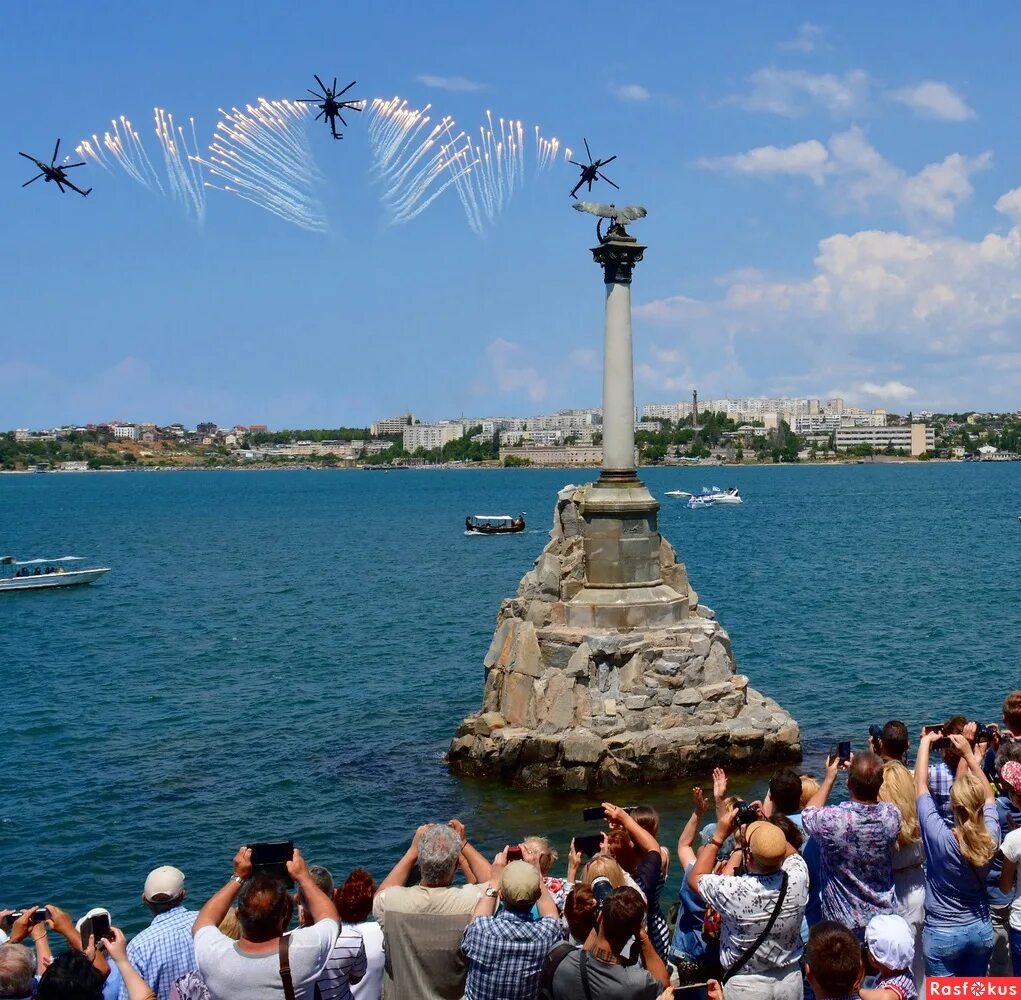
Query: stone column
column 618, row 256
column 624, row 587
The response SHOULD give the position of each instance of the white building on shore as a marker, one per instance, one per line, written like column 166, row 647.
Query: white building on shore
column 914, row 439
column 431, row 436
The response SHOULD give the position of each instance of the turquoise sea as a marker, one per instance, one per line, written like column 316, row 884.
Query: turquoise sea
column 286, row 654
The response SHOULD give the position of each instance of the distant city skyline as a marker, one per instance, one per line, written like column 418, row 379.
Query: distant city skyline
column 834, row 198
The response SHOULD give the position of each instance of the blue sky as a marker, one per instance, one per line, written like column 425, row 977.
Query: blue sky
column 834, row 198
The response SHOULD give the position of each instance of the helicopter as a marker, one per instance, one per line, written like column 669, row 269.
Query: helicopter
column 329, row 107
column 590, row 171
column 55, row 173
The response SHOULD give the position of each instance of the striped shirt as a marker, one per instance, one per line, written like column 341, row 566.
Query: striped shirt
column 164, row 951
column 346, row 960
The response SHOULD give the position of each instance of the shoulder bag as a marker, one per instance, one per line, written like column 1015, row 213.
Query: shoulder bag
column 757, row 943
column 285, row 966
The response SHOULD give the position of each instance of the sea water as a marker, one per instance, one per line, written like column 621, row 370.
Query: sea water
column 286, row 655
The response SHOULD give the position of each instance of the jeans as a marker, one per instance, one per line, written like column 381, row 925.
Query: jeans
column 958, row 950
column 1015, row 947
column 777, row 984
column 1000, row 964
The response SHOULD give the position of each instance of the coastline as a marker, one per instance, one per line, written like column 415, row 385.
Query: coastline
column 480, row 466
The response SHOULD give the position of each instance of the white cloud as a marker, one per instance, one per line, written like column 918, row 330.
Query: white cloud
column 936, row 190
column 808, row 159
column 511, row 378
column 630, row 92
column 808, row 39
column 793, row 93
column 888, row 316
column 933, row 99
column 896, row 391
column 863, row 177
column 455, row 83
column 1009, row 204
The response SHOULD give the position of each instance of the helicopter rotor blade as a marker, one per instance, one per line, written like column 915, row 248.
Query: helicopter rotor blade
column 26, row 184
column 315, row 94
column 587, row 150
column 56, row 149
column 320, row 82
column 608, row 181
column 346, row 89
column 27, row 157
column 341, row 117
column 602, row 163
column 68, row 166
column 334, row 91
column 576, row 163
column 318, row 116
column 60, row 185
column 307, row 100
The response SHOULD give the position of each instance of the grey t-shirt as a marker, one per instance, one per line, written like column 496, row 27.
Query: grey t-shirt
column 605, row 981
column 230, row 972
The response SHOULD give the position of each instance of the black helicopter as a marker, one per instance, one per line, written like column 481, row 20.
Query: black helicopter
column 329, row 107
column 590, row 171
column 55, row 173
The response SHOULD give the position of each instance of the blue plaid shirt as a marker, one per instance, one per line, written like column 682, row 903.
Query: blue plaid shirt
column 506, row 953
column 164, row 951
column 940, row 780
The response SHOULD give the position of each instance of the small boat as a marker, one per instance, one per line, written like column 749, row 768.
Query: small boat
column 494, row 524
column 711, row 496
column 694, row 503
column 39, row 574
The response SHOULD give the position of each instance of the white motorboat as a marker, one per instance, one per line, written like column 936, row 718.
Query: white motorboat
column 40, row 574
column 695, row 503
column 711, row 496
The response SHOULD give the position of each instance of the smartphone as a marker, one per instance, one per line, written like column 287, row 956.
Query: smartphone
column 941, row 744
column 595, row 813
column 272, row 857
column 514, row 854
column 937, row 728
column 101, row 927
column 844, row 751
column 588, row 844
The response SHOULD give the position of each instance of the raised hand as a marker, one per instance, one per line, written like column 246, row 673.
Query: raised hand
column 458, row 827
column 296, row 867
column 243, row 862
column 701, row 804
column 116, row 946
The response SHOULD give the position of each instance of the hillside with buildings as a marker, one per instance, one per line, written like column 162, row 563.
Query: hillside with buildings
column 760, row 429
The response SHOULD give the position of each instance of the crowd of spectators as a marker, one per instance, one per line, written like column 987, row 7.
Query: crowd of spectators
column 795, row 896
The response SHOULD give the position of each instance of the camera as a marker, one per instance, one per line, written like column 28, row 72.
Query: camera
column 38, row 917
column 601, row 888
column 983, row 734
column 745, row 813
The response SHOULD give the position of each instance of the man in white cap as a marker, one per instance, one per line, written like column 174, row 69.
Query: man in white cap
column 164, row 951
column 506, row 948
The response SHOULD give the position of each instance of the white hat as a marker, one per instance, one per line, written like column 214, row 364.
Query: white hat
column 164, row 883
column 890, row 940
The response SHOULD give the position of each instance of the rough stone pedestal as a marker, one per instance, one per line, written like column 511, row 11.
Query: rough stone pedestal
column 574, row 704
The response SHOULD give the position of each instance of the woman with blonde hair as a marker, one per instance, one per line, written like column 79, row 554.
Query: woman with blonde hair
column 957, row 937
column 909, row 856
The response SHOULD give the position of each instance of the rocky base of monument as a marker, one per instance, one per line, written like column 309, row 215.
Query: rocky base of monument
column 579, row 709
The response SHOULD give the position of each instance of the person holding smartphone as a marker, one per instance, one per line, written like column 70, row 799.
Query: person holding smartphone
column 957, row 936
column 856, row 842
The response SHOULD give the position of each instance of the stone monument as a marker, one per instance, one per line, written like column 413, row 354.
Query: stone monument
column 604, row 669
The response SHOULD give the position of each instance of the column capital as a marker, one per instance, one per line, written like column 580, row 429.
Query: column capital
column 617, row 256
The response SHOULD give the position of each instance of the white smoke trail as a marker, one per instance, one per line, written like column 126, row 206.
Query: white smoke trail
column 416, row 161
column 179, row 153
column 261, row 154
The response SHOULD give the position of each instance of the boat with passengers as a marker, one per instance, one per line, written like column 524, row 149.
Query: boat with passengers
column 710, row 496
column 494, row 524
column 41, row 574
